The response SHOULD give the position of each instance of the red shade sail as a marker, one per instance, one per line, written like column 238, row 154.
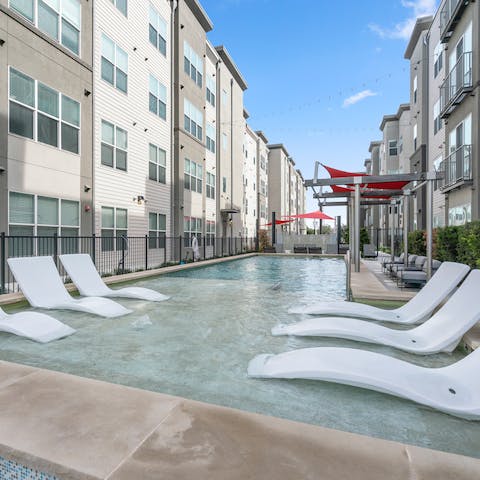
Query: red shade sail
column 338, row 189
column 313, row 215
column 334, row 173
column 278, row 222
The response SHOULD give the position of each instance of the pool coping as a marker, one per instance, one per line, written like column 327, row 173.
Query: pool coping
column 87, row 429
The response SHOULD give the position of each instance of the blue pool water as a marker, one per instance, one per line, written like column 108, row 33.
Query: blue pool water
column 198, row 345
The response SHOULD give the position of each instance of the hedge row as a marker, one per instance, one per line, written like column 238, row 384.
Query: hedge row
column 453, row 244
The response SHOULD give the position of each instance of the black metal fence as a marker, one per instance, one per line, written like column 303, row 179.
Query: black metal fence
column 119, row 255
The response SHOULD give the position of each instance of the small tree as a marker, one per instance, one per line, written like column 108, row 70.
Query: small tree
column 263, row 240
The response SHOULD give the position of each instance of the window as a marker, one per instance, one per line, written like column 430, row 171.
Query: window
column 224, row 141
column 415, row 138
column 263, row 211
column 210, row 186
column 157, row 167
column 157, row 103
column 263, row 189
column 438, row 59
column 157, row 228
column 193, row 176
column 192, row 64
column 192, row 226
column 438, row 167
column 114, row 226
column 121, row 5
column 59, row 19
column 210, row 137
column 224, row 97
column 415, row 88
column 32, row 215
column 263, row 162
column 392, row 147
column 193, row 120
column 246, row 206
column 437, row 121
column 42, row 114
column 211, row 91
column 114, row 146
column 224, row 184
column 114, row 64
column 158, row 31
column 210, row 233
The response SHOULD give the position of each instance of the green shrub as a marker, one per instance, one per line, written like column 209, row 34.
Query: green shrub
column 417, row 243
column 446, row 244
column 468, row 250
column 364, row 238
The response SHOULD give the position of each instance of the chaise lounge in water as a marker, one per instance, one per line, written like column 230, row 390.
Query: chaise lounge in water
column 440, row 333
column 35, row 326
column 42, row 286
column 84, row 275
column 417, row 310
column 452, row 389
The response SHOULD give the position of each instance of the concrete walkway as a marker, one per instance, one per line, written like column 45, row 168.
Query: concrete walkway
column 81, row 429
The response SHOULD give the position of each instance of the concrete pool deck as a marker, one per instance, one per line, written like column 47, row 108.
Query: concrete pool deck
column 81, row 429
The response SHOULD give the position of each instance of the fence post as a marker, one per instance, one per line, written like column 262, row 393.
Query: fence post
column 123, row 254
column 180, row 250
column 94, row 246
column 165, row 251
column 204, row 248
column 55, row 248
column 2, row 264
column 146, row 252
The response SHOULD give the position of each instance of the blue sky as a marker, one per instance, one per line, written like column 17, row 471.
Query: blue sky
column 321, row 74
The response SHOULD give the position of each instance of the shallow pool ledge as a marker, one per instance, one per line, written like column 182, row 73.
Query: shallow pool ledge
column 75, row 428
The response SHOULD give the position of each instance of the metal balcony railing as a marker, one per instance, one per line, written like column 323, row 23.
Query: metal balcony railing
column 457, row 168
column 458, row 82
column 449, row 16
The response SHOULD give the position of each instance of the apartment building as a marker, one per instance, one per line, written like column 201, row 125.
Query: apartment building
column 132, row 121
column 262, row 178
column 46, row 175
column 250, row 183
column 459, row 109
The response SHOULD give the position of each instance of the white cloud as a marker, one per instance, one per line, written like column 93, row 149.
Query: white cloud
column 403, row 30
column 358, row 97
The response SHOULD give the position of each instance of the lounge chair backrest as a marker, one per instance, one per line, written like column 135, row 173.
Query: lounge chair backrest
column 81, row 269
column 412, row 259
column 420, row 261
column 462, row 310
column 435, row 264
column 440, row 286
column 39, row 281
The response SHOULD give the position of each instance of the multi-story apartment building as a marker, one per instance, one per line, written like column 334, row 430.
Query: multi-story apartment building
column 46, row 176
column 132, row 121
column 460, row 109
column 230, row 87
column 262, row 179
column 250, row 183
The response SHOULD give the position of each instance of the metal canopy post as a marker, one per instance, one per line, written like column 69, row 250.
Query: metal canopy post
column 351, row 233
column 431, row 176
column 406, row 215
column 392, row 229
column 357, row 224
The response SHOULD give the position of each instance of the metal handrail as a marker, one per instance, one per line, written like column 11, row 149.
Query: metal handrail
column 459, row 78
column 457, row 166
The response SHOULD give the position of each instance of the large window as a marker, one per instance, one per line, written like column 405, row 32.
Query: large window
column 121, row 5
column 263, row 187
column 32, row 215
column 192, row 64
column 114, row 229
column 59, row 19
column 437, row 120
column 114, row 146
column 157, row 32
column 210, row 233
column 211, row 138
column 193, row 174
column 263, row 162
column 193, row 120
column 157, row 229
column 157, row 164
column 210, row 185
column 392, row 148
column 211, row 91
column 157, row 98
column 42, row 114
column 438, row 59
column 114, row 64
column 192, row 226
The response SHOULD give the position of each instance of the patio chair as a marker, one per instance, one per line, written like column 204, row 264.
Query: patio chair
column 300, row 249
column 81, row 269
column 440, row 333
column 315, row 250
column 414, row 277
column 416, row 266
column 42, row 286
column 417, row 310
column 35, row 326
column 450, row 389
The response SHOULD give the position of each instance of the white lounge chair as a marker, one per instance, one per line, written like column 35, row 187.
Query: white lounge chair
column 417, row 310
column 36, row 326
column 42, row 286
column 440, row 333
column 84, row 275
column 451, row 389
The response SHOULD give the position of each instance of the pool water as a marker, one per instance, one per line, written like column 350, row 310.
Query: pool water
column 198, row 344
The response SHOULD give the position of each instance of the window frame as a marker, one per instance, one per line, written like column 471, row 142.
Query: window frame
column 115, row 4
column 160, row 88
column 115, row 239
column 114, row 146
column 158, row 19
column 157, row 164
column 191, row 63
column 158, row 239
column 116, row 48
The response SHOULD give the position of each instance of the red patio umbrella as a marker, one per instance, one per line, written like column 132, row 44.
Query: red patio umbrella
column 317, row 215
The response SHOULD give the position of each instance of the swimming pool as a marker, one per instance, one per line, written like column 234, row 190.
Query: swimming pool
column 198, row 345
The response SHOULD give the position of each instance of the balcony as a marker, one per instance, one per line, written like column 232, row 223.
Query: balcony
column 449, row 17
column 457, row 169
column 457, row 85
